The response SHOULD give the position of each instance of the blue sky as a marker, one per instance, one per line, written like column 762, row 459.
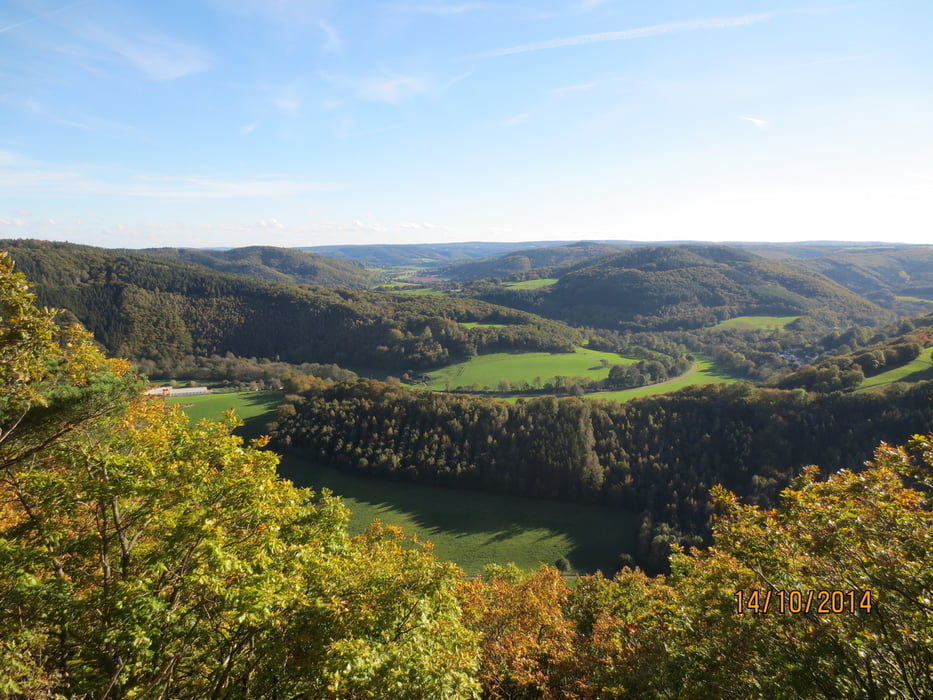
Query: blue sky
column 308, row 122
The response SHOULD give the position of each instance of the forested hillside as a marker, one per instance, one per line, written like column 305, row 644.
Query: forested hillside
column 897, row 270
column 143, row 306
column 277, row 264
column 660, row 456
column 514, row 264
column 677, row 287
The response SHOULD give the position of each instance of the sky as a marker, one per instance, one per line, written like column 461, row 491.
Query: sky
column 220, row 123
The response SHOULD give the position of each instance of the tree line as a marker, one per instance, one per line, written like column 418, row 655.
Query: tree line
column 658, row 455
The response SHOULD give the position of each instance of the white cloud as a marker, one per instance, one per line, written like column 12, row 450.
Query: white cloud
column 42, row 15
column 638, row 33
column 570, row 89
column 22, row 177
column 248, row 128
column 334, row 43
column 517, row 119
column 441, row 9
column 760, row 123
column 392, row 89
column 158, row 57
column 288, row 104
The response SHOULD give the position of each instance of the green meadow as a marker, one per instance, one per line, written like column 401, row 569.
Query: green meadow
column 470, row 528
column 252, row 407
column 474, row 324
column 474, row 528
column 915, row 299
column 757, row 322
column 916, row 370
column 531, row 284
column 487, row 370
column 705, row 371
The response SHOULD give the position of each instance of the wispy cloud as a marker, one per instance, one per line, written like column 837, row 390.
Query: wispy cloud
column 517, row 119
column 248, row 128
column 391, row 89
column 22, row 176
column 334, row 43
column 637, row 33
column 158, row 57
column 440, row 9
column 760, row 123
column 42, row 16
column 571, row 89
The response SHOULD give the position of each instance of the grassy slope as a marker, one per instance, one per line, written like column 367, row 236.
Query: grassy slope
column 757, row 322
column 531, row 284
column 251, row 407
column 916, row 370
column 487, row 370
column 468, row 527
column 705, row 372
column 473, row 528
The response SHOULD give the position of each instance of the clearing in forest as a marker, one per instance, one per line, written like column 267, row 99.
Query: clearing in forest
column 533, row 368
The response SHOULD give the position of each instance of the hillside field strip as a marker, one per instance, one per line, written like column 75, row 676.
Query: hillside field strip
column 487, row 370
column 531, row 284
column 470, row 528
column 918, row 369
column 705, row 371
column 757, row 322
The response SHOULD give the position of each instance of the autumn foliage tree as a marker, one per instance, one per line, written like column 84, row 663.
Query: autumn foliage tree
column 143, row 557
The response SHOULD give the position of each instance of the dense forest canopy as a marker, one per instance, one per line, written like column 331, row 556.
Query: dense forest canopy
column 153, row 307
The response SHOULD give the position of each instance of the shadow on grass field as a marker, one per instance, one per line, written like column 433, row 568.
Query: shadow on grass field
column 471, row 528
column 475, row 528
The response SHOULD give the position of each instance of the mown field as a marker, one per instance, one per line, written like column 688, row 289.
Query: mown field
column 531, row 284
column 757, row 322
column 487, row 370
column 916, row 370
column 251, row 407
column 473, row 528
column 467, row 527
column 706, row 371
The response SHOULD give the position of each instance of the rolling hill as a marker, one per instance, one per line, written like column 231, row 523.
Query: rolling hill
column 155, row 307
column 687, row 286
column 277, row 264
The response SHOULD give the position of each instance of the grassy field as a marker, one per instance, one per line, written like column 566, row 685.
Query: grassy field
column 914, row 371
column 468, row 527
column 474, row 324
column 251, row 407
column 487, row 370
column 473, row 528
column 705, row 372
column 915, row 299
column 757, row 322
column 531, row 284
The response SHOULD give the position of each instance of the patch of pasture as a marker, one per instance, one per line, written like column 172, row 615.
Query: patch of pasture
column 474, row 324
column 916, row 370
column 531, row 284
column 473, row 528
column 757, row 322
column 705, row 371
column 918, row 300
column 488, row 370
column 252, row 407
